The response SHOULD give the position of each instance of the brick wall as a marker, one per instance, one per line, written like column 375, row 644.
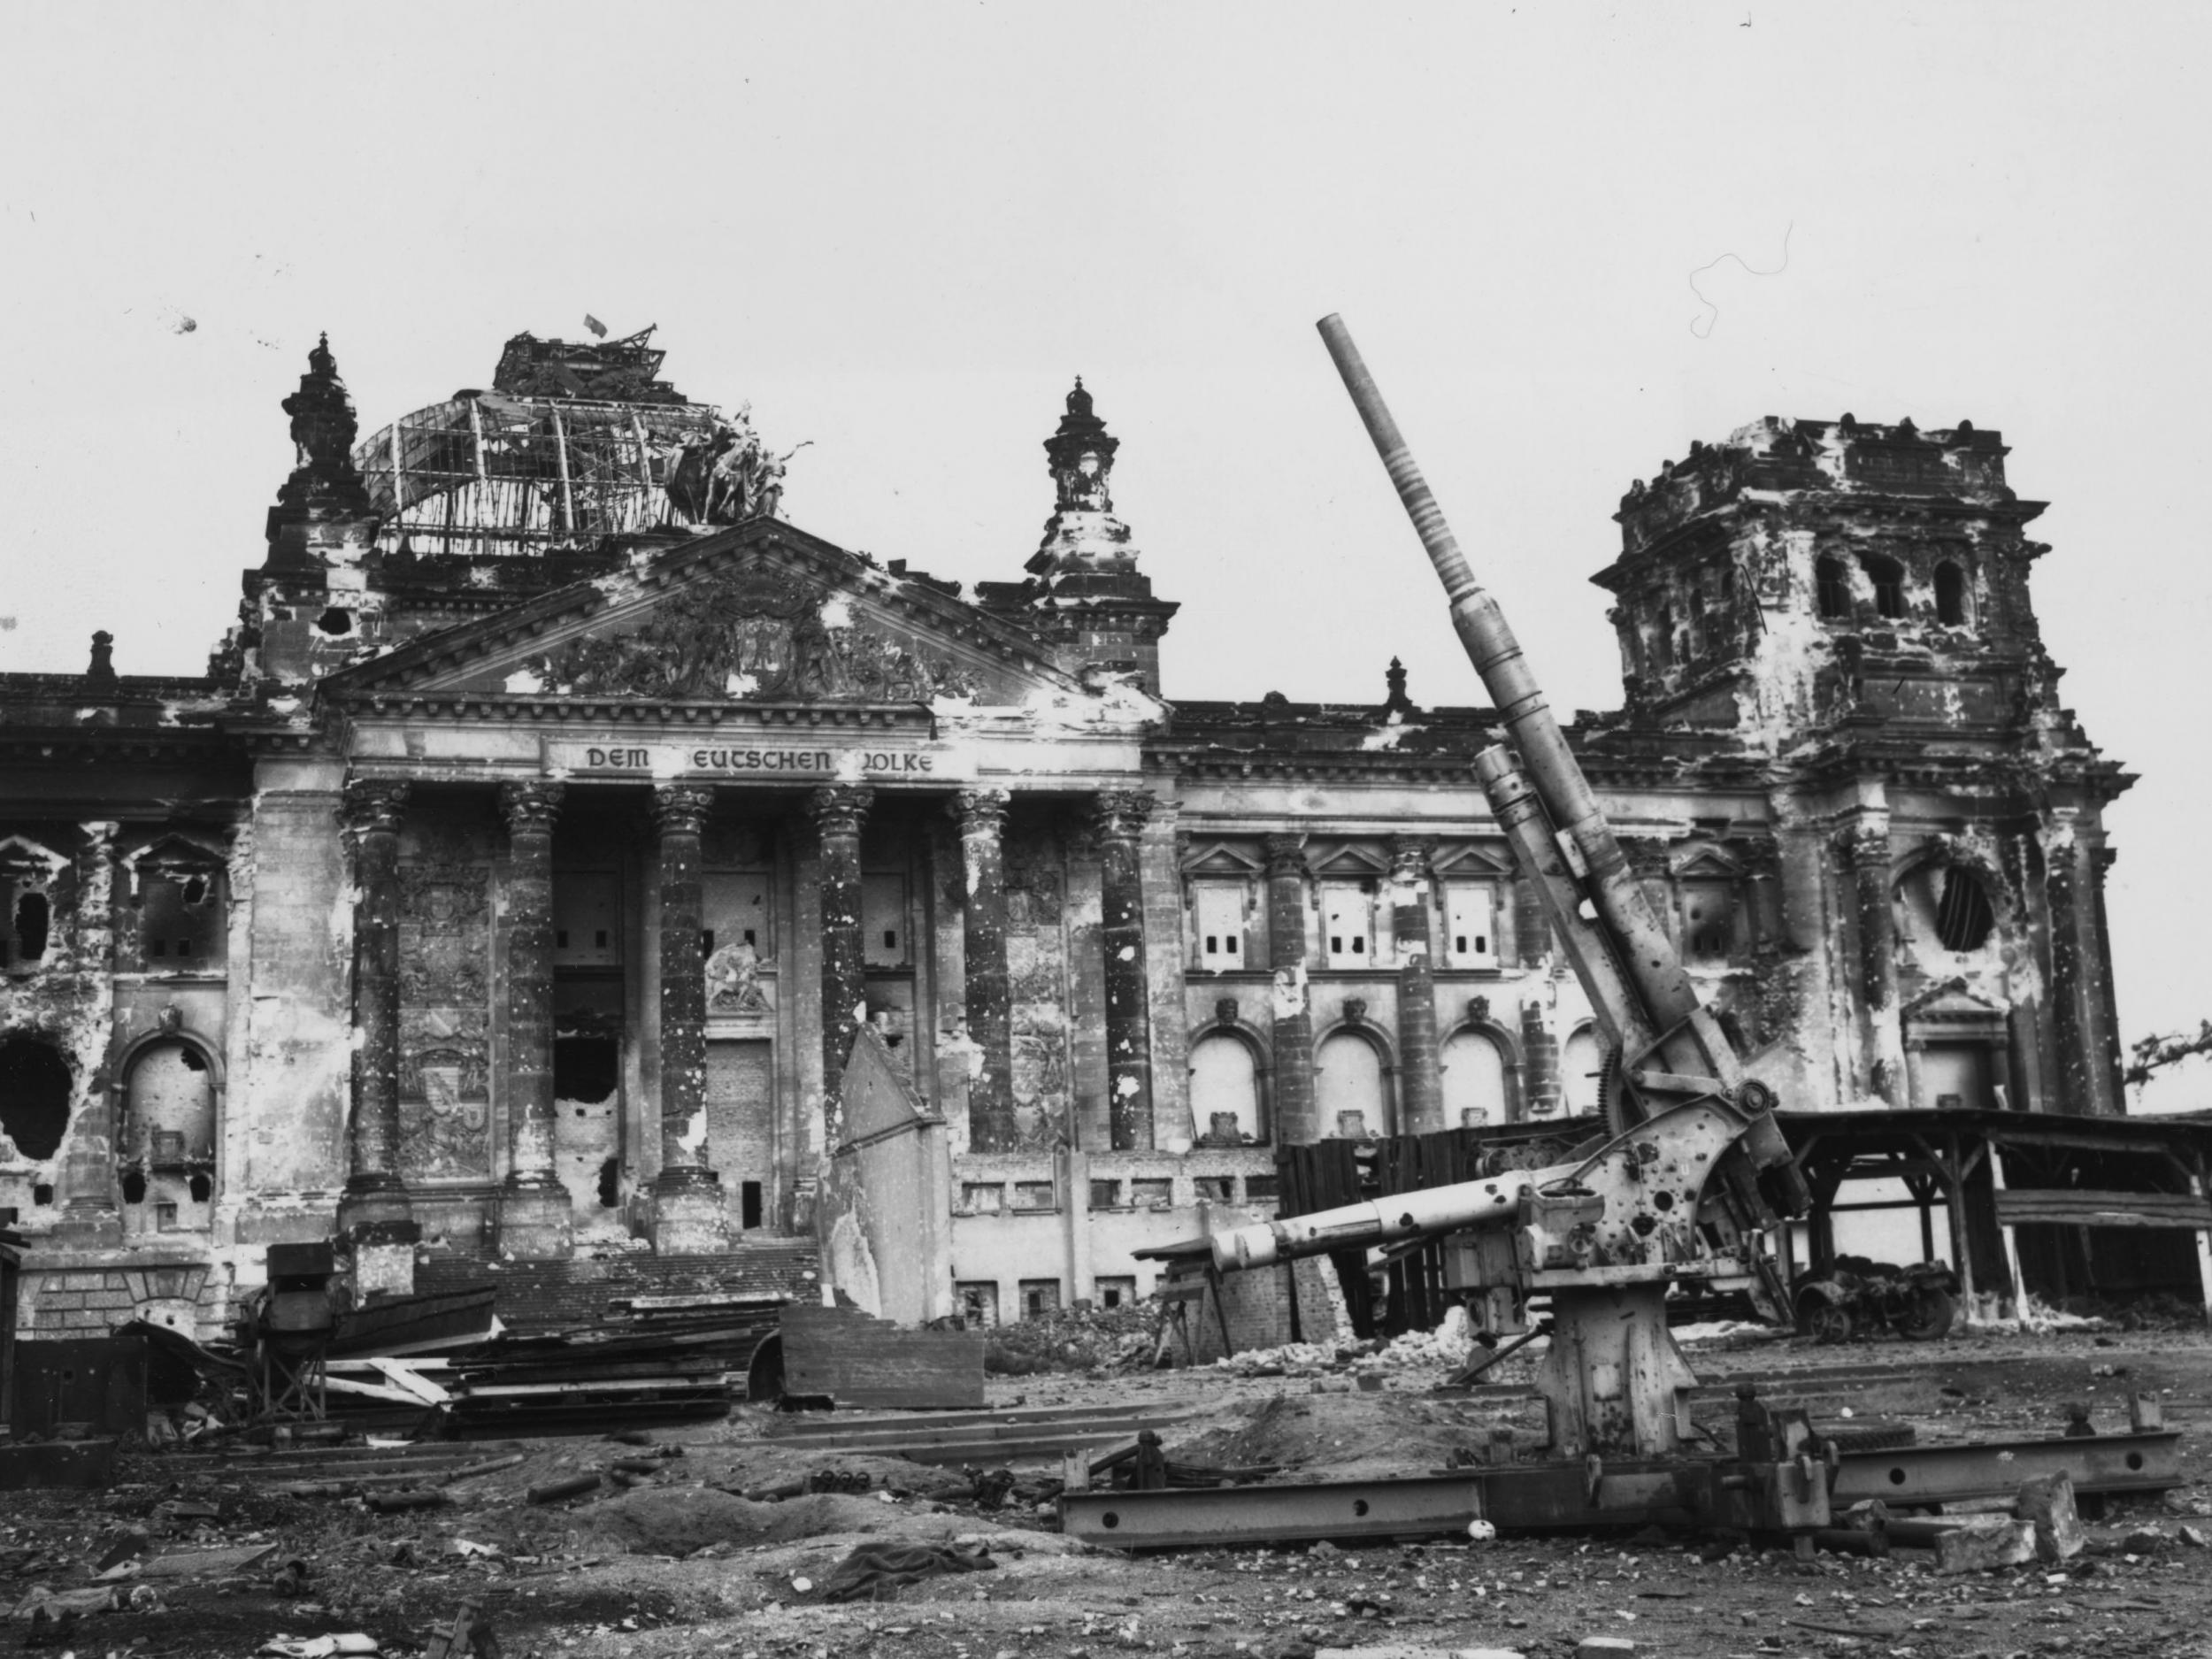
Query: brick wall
column 90, row 1299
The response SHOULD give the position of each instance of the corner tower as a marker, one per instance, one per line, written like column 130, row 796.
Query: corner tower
column 1808, row 572
column 1085, row 597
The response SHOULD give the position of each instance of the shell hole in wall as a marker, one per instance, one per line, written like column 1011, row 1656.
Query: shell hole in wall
column 33, row 1096
column 202, row 1189
column 586, row 1067
column 133, row 1187
column 1963, row 917
column 1888, row 577
column 42, row 1194
column 337, row 622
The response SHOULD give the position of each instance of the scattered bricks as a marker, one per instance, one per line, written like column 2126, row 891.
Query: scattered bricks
column 1980, row 1542
column 1604, row 1648
column 2145, row 1541
column 2048, row 1504
column 554, row 1491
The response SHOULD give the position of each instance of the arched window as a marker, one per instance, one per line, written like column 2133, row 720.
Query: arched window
column 171, row 1107
column 1349, row 1087
column 1833, row 588
column 1224, row 1091
column 1888, row 577
column 34, row 1095
column 1474, row 1080
column 1581, row 1061
column 1954, row 601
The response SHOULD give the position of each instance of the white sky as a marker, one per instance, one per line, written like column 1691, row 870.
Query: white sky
column 898, row 230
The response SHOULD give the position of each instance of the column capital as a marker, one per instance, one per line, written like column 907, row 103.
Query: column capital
column 1865, row 844
column 1121, row 814
column 980, row 811
column 374, row 804
column 839, row 809
column 1285, row 855
column 531, row 804
column 1410, row 857
column 681, row 809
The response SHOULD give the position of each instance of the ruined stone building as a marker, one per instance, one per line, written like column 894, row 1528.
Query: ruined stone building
column 513, row 883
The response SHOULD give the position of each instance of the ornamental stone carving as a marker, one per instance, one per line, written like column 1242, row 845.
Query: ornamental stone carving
column 751, row 635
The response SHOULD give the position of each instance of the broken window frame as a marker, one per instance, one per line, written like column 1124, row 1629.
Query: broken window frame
column 1887, row 576
column 1832, row 588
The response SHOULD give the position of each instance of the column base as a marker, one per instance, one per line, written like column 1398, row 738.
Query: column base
column 537, row 1221
column 88, row 1224
column 689, row 1217
column 377, row 1223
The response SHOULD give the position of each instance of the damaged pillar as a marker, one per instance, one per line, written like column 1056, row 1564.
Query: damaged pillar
column 2087, row 1048
column 1542, row 1092
column 687, row 1216
column 535, row 1218
column 1420, row 1070
column 982, row 816
column 1296, row 1120
column 1120, row 816
column 88, row 1189
column 374, row 1214
column 1865, row 850
column 839, row 811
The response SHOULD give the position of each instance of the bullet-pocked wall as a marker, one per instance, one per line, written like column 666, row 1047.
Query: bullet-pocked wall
column 515, row 879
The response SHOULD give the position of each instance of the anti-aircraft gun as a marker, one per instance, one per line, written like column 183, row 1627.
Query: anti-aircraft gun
column 1693, row 1170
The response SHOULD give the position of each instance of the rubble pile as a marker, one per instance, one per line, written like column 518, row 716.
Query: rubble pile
column 1080, row 1339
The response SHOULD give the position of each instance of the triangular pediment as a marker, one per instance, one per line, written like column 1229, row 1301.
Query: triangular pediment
column 762, row 613
column 1348, row 860
column 1951, row 1003
column 1221, row 858
column 1469, row 861
column 1709, row 866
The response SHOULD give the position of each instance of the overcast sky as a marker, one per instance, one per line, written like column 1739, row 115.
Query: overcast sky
column 1571, row 239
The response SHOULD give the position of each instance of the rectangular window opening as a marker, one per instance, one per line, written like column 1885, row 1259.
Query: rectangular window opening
column 749, row 1204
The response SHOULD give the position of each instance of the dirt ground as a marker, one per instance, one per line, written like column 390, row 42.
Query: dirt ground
column 680, row 1565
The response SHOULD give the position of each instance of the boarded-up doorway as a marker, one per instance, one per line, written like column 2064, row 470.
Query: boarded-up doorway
column 741, row 1127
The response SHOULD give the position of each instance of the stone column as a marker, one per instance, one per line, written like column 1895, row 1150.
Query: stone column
column 1120, row 816
column 90, row 1214
column 374, row 1214
column 1864, row 847
column 1420, row 1067
column 981, row 814
column 2074, row 999
column 839, row 811
column 1296, row 1124
column 536, row 1218
column 1542, row 1093
column 688, row 1216
column 2112, row 1091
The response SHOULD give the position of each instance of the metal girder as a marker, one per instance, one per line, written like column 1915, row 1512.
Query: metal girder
column 1257, row 1515
column 1994, row 1469
column 1538, row 1497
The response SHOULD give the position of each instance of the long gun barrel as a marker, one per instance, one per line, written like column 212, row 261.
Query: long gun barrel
column 1628, row 954
column 1622, row 953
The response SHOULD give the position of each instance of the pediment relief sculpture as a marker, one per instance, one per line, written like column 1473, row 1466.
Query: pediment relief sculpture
column 753, row 635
